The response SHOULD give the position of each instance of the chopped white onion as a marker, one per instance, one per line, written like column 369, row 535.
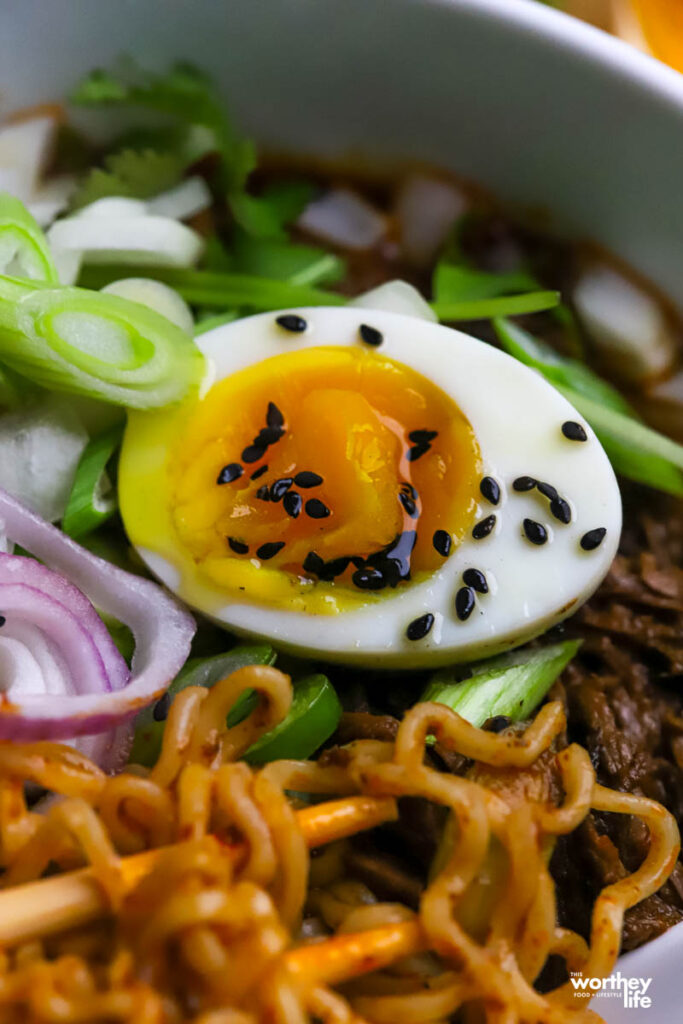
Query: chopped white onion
column 39, row 450
column 26, row 146
column 12, row 180
column 630, row 329
column 45, row 211
column 344, row 218
column 157, row 296
column 396, row 297
column 68, row 263
column 185, row 200
column 113, row 207
column 135, row 240
column 427, row 208
column 51, row 198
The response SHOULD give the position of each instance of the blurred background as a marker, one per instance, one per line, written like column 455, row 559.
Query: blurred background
column 655, row 26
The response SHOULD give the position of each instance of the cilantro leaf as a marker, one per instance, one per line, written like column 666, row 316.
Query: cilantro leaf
column 138, row 175
column 184, row 94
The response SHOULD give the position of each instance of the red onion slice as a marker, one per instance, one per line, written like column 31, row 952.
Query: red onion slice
column 101, row 694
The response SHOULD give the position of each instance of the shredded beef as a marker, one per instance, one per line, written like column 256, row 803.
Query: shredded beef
column 624, row 701
column 623, row 695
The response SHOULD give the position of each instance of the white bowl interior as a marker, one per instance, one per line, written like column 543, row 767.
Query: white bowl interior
column 544, row 110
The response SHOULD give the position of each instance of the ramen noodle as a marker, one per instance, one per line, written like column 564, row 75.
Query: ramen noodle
column 178, row 894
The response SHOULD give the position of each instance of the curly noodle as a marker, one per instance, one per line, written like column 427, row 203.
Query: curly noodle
column 179, row 896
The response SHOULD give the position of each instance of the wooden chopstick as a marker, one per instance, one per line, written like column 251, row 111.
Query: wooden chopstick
column 55, row 904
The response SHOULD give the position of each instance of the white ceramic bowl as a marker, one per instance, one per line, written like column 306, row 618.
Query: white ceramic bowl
column 542, row 109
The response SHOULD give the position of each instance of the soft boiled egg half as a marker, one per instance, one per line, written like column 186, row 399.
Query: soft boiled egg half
column 371, row 487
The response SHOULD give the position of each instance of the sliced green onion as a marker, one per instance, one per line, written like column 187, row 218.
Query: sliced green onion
column 312, row 718
column 505, row 305
column 23, row 248
column 223, row 290
column 15, row 390
column 512, row 684
column 90, row 503
column 285, row 261
column 157, row 296
column 88, row 343
column 635, row 451
column 149, row 730
column 462, row 284
column 556, row 368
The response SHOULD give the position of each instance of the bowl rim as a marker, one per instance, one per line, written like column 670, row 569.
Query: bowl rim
column 567, row 32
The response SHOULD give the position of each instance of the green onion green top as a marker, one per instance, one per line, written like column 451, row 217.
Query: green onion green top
column 88, row 343
column 512, row 684
column 23, row 246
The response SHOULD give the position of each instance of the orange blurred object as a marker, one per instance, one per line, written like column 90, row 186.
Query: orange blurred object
column 662, row 25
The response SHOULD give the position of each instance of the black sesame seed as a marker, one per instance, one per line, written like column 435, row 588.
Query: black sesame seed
column 497, row 723
column 161, row 708
column 3, row 620
column 442, row 542
column 263, row 493
column 306, row 478
column 279, row 488
column 233, row 471
column 484, row 527
column 335, row 567
column 274, row 417
column 238, row 546
column 419, row 628
column 408, row 504
column 370, row 335
column 475, row 579
column 292, row 504
column 523, row 483
column 547, row 490
column 559, row 508
column 291, row 322
column 417, row 451
column 267, row 436
column 253, row 452
column 313, row 563
column 422, row 436
column 393, row 560
column 593, row 539
column 574, row 431
column 490, row 489
column 369, row 578
column 258, row 472
column 464, row 603
column 535, row 532
column 317, row 509
column 270, row 549
column 409, row 490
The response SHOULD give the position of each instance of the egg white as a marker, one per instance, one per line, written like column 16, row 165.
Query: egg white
column 517, row 417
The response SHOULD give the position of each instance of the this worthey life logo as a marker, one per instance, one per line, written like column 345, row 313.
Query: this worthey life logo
column 632, row 991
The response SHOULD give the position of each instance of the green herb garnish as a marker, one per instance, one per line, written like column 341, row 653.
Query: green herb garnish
column 23, row 247
column 512, row 684
column 90, row 503
column 89, row 343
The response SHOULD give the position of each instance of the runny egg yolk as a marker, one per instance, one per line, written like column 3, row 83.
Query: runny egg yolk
column 318, row 478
